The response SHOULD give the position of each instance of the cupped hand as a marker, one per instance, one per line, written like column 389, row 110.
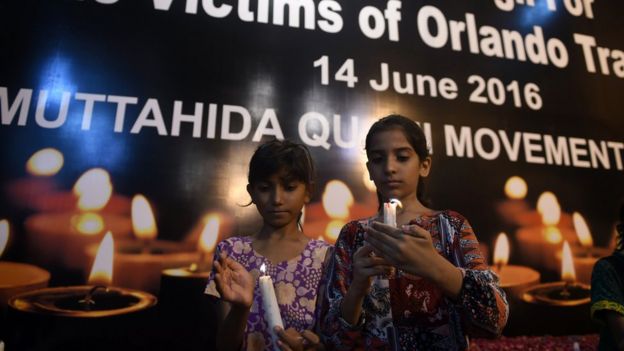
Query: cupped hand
column 409, row 248
column 365, row 266
column 290, row 339
column 234, row 283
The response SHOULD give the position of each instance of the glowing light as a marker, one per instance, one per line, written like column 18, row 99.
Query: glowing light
column 45, row 162
column 263, row 269
column 553, row 235
column 143, row 221
column 210, row 233
column 567, row 265
column 515, row 188
column 93, row 189
column 333, row 229
column 88, row 223
column 582, row 230
column 501, row 250
column 4, row 235
column 102, row 270
column 548, row 207
column 337, row 199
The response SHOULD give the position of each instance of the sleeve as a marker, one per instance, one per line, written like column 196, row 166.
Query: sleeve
column 606, row 293
column 211, row 287
column 482, row 303
column 336, row 333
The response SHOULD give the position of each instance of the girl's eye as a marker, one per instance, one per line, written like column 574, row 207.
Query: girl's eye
column 376, row 159
column 402, row 158
column 291, row 187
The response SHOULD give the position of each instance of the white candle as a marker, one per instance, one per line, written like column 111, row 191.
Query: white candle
column 269, row 303
column 389, row 212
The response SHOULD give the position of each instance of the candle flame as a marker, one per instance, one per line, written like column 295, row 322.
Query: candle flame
column 568, row 274
column 582, row 230
column 333, row 229
column 210, row 233
column 88, row 223
column 553, row 235
column 45, row 162
column 548, row 207
column 93, row 189
column 263, row 269
column 515, row 188
column 4, row 235
column 501, row 250
column 337, row 199
column 102, row 270
column 143, row 221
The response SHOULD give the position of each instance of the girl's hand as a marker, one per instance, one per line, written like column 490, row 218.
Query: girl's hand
column 290, row 339
column 233, row 282
column 410, row 248
column 366, row 266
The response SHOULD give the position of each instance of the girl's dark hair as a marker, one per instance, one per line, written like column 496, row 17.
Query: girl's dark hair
column 415, row 137
column 277, row 155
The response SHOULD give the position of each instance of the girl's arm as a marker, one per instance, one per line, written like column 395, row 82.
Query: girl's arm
column 607, row 295
column 481, row 301
column 236, row 286
column 232, row 323
column 348, row 277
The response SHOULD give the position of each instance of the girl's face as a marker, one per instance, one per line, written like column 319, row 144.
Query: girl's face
column 279, row 199
column 394, row 165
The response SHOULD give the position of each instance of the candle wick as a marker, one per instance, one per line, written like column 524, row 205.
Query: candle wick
column 88, row 301
column 565, row 293
column 146, row 246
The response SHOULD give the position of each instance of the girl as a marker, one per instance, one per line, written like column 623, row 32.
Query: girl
column 280, row 183
column 442, row 290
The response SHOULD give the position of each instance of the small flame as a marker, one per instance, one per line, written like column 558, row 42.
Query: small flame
column 263, row 269
column 548, row 207
column 568, row 274
column 88, row 223
column 4, row 235
column 515, row 188
column 553, row 235
column 337, row 199
column 45, row 162
column 501, row 250
column 93, row 189
column 210, row 233
column 333, row 229
column 582, row 230
column 143, row 221
column 102, row 270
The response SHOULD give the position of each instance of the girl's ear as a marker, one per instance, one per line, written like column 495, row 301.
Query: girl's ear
column 307, row 197
column 250, row 192
column 425, row 167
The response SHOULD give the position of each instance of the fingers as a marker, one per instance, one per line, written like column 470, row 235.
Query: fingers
column 363, row 251
column 387, row 229
column 310, row 338
column 289, row 339
column 416, row 231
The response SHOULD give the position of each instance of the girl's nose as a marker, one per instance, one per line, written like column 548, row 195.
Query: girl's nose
column 278, row 196
column 390, row 166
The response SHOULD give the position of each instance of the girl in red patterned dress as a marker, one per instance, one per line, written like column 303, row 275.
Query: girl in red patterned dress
column 422, row 286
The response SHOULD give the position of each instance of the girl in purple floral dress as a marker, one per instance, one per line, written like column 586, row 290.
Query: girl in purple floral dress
column 280, row 183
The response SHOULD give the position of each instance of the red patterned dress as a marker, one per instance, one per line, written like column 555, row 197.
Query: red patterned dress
column 407, row 312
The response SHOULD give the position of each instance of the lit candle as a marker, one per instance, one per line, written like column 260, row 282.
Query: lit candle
column 562, row 306
column 77, row 315
column 515, row 210
column 389, row 211
column 269, row 303
column 16, row 278
column 513, row 279
column 325, row 220
column 59, row 238
column 538, row 244
column 139, row 263
column 41, row 166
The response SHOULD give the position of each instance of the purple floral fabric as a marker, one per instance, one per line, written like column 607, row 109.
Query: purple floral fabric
column 296, row 283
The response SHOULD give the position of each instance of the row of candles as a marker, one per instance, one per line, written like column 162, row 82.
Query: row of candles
column 152, row 258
